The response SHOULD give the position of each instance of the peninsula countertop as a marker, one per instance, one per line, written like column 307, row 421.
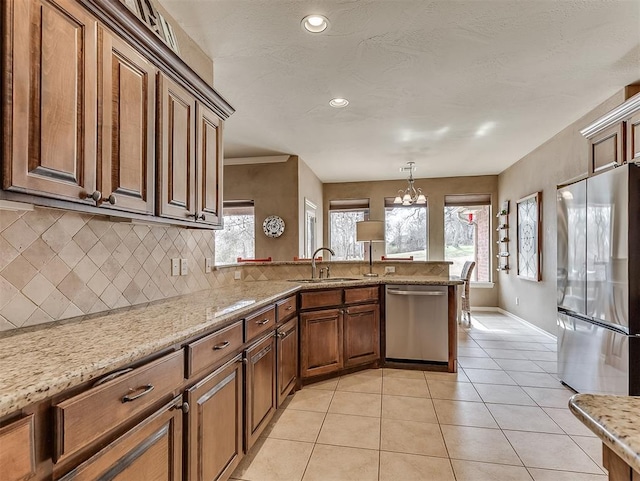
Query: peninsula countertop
column 39, row 362
column 615, row 420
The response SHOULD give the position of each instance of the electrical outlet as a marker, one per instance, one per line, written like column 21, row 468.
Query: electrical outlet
column 237, row 275
column 517, row 301
column 207, row 265
column 175, row 267
column 389, row 269
column 184, row 267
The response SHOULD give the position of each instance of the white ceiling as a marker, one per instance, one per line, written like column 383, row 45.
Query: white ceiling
column 422, row 77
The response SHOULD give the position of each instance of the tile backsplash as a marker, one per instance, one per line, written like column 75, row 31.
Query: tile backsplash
column 56, row 264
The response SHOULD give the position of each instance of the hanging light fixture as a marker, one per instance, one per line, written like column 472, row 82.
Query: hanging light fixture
column 410, row 195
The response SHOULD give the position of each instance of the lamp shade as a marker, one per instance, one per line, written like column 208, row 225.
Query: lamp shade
column 370, row 230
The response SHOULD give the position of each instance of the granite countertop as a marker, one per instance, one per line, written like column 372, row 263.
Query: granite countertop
column 615, row 420
column 37, row 363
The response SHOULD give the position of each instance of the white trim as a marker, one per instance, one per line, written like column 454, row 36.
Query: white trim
column 533, row 326
column 481, row 285
column 484, row 309
column 266, row 159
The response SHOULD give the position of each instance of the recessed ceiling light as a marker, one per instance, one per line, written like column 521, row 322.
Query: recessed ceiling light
column 338, row 103
column 315, row 23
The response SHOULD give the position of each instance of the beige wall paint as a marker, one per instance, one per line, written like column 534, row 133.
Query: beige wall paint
column 309, row 187
column 274, row 190
column 563, row 157
column 435, row 190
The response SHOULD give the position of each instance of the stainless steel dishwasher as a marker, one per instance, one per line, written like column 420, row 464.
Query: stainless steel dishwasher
column 417, row 323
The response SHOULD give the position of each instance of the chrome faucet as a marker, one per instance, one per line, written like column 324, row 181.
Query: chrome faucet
column 313, row 259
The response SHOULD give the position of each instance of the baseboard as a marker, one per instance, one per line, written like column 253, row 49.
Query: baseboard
column 527, row 323
column 485, row 309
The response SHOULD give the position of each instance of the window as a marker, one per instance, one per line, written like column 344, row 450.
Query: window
column 237, row 239
column 405, row 230
column 343, row 215
column 309, row 228
column 467, row 233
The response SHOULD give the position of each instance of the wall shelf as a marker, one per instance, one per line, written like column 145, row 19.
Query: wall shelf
column 503, row 238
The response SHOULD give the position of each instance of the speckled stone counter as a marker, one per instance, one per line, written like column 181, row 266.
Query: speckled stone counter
column 615, row 420
column 36, row 363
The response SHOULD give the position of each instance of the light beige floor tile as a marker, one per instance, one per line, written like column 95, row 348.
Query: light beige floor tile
column 478, row 363
column 351, row 431
column 550, row 398
column 519, row 365
column 472, row 352
column 502, row 394
column 463, row 413
column 328, row 385
column 535, row 379
column 459, row 376
column 506, row 354
column 551, row 451
column 411, row 467
column 297, row 426
column 265, row 461
column 360, row 383
column 411, row 437
column 402, row 373
column 475, row 471
column 407, row 408
column 311, row 400
column 541, row 355
column 568, row 422
column 551, row 475
column 405, row 387
column 357, row 403
column 523, row 418
column 334, row 463
column 479, row 444
column 548, row 366
column 459, row 391
column 489, row 376
column 368, row 372
column 592, row 446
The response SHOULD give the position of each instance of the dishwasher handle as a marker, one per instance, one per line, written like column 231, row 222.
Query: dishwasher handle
column 397, row 292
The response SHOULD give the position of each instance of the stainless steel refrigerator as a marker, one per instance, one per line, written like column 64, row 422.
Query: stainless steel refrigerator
column 599, row 283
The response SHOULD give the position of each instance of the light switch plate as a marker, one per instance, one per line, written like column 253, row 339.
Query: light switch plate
column 207, row 265
column 175, row 267
column 237, row 275
column 389, row 269
column 184, row 267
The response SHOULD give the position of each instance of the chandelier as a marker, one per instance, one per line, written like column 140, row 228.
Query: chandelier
column 410, row 195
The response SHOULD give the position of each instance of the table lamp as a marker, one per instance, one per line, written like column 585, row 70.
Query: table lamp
column 370, row 231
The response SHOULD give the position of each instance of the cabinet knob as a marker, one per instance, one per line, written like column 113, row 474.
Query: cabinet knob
column 184, row 407
column 111, row 199
column 197, row 216
column 96, row 196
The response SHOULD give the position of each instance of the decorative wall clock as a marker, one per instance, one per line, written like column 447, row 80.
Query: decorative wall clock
column 529, row 237
column 273, row 226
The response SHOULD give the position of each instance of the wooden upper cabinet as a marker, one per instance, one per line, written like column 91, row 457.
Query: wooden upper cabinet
column 633, row 138
column 209, row 161
column 53, row 89
column 176, row 174
column 126, row 153
column 607, row 149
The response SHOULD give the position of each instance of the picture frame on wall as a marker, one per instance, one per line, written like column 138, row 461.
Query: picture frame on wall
column 169, row 35
column 528, row 232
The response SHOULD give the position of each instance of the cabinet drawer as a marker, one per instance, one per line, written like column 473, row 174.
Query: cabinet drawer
column 286, row 308
column 17, row 450
column 260, row 322
column 210, row 349
column 361, row 294
column 310, row 300
column 86, row 417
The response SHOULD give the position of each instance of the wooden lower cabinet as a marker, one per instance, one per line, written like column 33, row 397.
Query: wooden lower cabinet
column 215, row 424
column 361, row 334
column 17, row 450
column 320, row 342
column 151, row 451
column 287, row 349
column 260, row 395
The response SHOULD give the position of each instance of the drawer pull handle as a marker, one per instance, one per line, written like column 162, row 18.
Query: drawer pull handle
column 220, row 346
column 289, row 308
column 146, row 390
column 262, row 322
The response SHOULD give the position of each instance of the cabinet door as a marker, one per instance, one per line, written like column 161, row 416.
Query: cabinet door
column 126, row 152
column 151, row 451
column 52, row 113
column 260, row 360
column 209, row 165
column 606, row 149
column 287, row 347
column 215, row 429
column 361, row 334
column 633, row 138
column 320, row 342
column 177, row 152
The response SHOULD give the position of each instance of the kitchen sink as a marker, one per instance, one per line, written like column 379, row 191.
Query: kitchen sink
column 330, row 279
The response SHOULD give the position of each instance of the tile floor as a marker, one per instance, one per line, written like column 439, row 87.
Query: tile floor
column 502, row 417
